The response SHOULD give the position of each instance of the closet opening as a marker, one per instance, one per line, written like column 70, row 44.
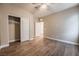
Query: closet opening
column 14, row 29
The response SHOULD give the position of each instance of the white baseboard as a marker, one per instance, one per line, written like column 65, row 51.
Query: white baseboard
column 3, row 46
column 24, row 40
column 12, row 40
column 74, row 43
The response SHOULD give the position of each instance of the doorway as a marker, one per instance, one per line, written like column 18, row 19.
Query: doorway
column 39, row 29
column 14, row 29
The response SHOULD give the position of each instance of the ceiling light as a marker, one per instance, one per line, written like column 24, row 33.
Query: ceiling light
column 40, row 5
column 43, row 6
column 41, row 20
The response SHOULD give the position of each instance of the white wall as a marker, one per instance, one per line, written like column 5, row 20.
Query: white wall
column 62, row 25
column 25, row 16
column 32, row 27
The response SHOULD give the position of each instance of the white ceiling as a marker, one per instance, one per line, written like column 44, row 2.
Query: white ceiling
column 53, row 8
column 46, row 9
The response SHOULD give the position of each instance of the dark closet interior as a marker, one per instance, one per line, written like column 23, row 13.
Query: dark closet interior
column 14, row 28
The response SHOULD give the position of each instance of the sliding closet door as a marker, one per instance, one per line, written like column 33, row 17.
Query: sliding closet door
column 12, row 32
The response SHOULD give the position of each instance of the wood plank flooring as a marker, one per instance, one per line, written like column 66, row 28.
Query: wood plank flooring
column 40, row 47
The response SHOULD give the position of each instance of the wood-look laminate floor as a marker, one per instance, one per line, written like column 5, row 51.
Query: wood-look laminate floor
column 40, row 47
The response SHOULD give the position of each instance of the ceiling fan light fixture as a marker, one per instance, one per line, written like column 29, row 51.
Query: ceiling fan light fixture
column 40, row 5
column 43, row 6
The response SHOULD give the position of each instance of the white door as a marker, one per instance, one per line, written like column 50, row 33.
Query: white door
column 11, row 32
column 39, row 27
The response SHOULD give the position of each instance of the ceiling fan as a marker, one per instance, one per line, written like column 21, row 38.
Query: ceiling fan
column 38, row 5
